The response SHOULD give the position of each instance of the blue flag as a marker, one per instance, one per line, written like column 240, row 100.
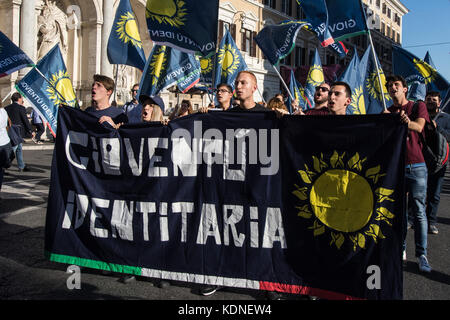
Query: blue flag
column 229, row 61
column 277, row 41
column 352, row 75
column 439, row 83
column 188, row 25
column 207, row 68
column 346, row 18
column 12, row 58
column 298, row 92
column 373, row 94
column 315, row 78
column 46, row 95
column 167, row 66
column 316, row 13
column 124, row 44
column 417, row 73
column 335, row 20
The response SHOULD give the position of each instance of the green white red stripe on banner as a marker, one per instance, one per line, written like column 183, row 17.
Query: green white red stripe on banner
column 199, row 278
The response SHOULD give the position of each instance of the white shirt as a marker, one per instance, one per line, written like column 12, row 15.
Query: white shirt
column 4, row 138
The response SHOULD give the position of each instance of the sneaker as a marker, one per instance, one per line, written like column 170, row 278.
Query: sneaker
column 273, row 295
column 433, row 229
column 127, row 279
column 163, row 284
column 404, row 258
column 39, row 142
column 209, row 290
column 34, row 140
column 423, row 264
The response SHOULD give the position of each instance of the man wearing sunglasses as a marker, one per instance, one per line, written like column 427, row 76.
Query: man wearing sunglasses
column 320, row 100
column 133, row 109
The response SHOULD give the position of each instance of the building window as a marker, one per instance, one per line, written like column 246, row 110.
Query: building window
column 389, row 13
column 300, row 56
column 378, row 3
column 248, row 43
column 223, row 26
column 270, row 3
column 383, row 28
column 384, row 8
column 398, row 37
column 286, row 7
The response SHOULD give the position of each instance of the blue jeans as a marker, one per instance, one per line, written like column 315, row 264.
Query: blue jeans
column 416, row 186
column 19, row 156
column 434, row 194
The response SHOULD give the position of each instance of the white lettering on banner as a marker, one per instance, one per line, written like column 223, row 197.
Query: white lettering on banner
column 209, row 148
column 155, row 34
column 342, row 25
column 36, row 100
column 80, row 207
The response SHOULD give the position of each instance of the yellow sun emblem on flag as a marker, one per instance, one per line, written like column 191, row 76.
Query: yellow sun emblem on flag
column 158, row 63
column 128, row 31
column 427, row 71
column 340, row 197
column 206, row 65
column 358, row 105
column 61, row 82
column 228, row 58
column 170, row 12
column 373, row 86
column 315, row 75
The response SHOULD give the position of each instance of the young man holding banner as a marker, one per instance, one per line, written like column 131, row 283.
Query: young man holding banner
column 102, row 88
column 416, row 171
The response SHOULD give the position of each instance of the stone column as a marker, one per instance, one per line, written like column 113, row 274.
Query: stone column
column 108, row 19
column 28, row 31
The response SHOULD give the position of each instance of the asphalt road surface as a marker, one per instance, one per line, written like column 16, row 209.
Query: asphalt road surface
column 25, row 274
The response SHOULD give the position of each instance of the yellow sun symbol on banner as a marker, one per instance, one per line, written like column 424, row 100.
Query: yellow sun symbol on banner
column 170, row 12
column 128, row 31
column 158, row 64
column 61, row 81
column 358, row 105
column 339, row 199
column 373, row 85
column 315, row 75
column 206, row 65
column 427, row 71
column 228, row 59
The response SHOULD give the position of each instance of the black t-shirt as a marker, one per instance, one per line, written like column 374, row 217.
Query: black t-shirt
column 116, row 114
column 257, row 107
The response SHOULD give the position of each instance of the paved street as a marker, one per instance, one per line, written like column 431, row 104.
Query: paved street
column 26, row 274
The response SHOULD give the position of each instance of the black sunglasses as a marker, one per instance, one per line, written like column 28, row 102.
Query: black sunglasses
column 323, row 89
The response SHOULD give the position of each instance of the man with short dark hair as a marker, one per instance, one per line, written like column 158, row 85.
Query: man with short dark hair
column 224, row 94
column 18, row 116
column 441, row 122
column 339, row 97
column 133, row 109
column 415, row 115
column 102, row 88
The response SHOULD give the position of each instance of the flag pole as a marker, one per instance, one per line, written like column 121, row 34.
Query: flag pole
column 374, row 55
column 284, row 83
column 115, row 81
column 6, row 97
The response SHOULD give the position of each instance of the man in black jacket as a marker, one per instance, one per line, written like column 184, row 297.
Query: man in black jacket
column 18, row 116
